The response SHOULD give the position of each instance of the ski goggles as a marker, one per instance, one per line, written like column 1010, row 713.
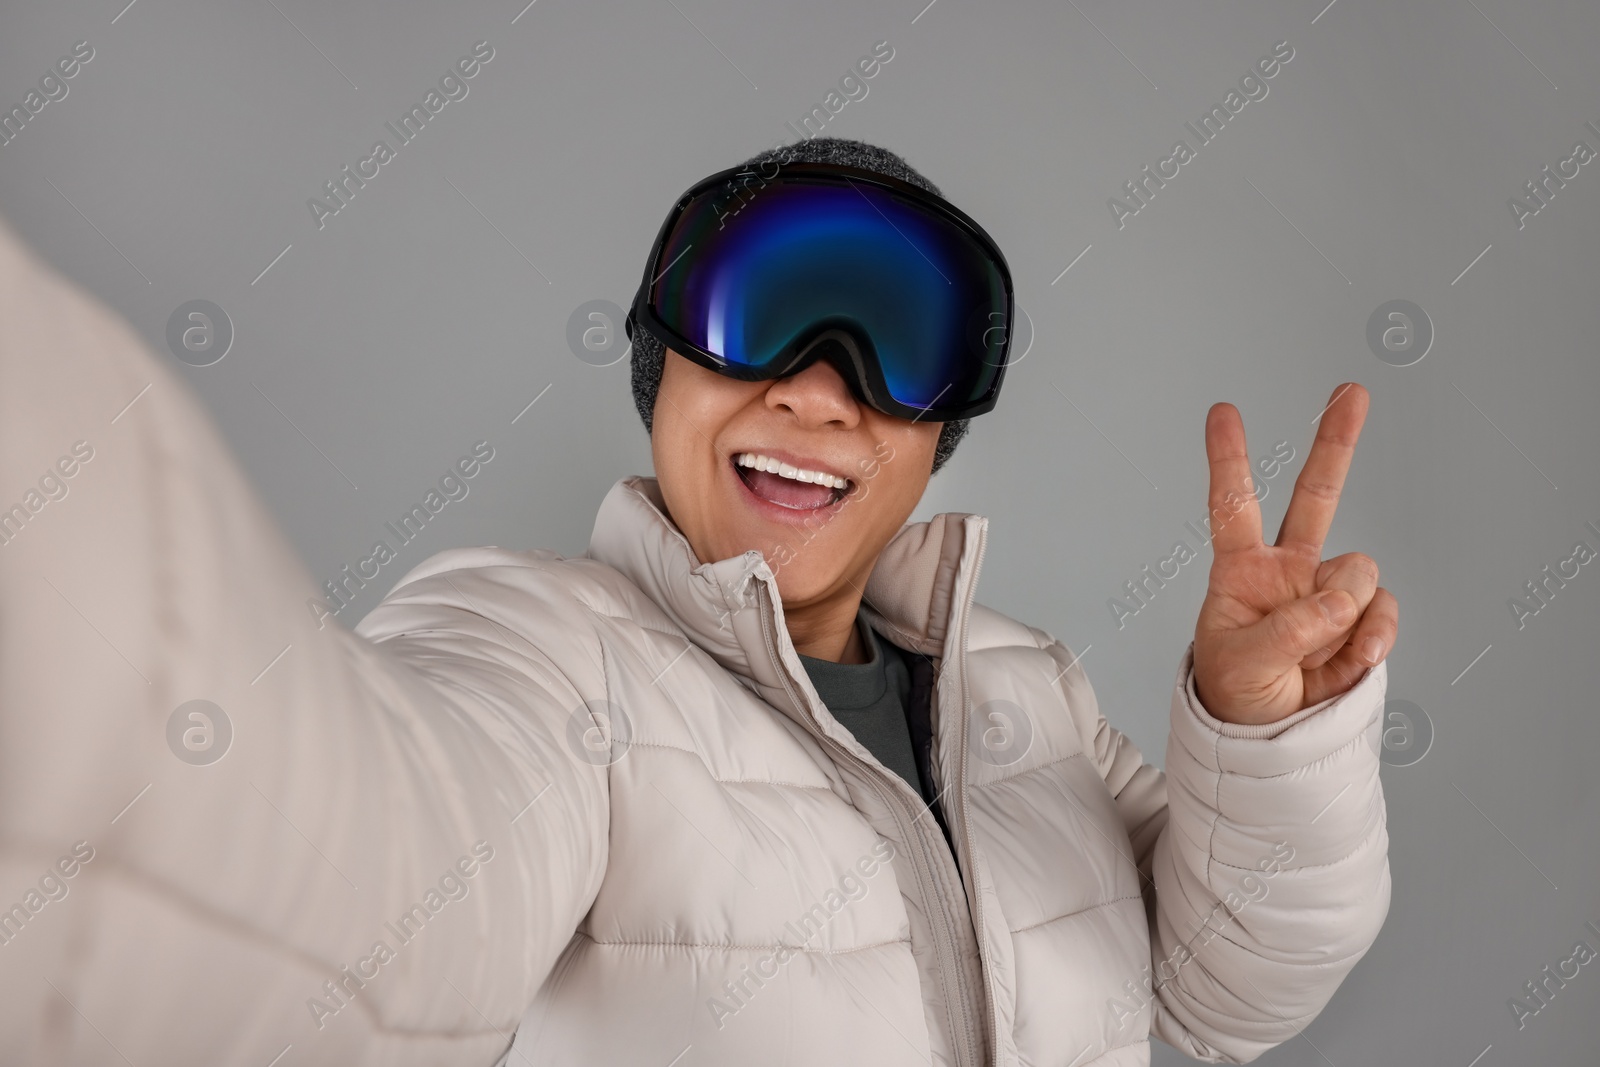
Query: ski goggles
column 756, row 276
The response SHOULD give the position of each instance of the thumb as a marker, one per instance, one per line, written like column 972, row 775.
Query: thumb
column 1297, row 629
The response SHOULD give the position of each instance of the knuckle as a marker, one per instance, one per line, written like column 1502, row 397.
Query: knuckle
column 1319, row 489
column 1365, row 566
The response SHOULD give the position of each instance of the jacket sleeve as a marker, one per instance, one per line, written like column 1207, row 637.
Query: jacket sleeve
column 1263, row 857
column 396, row 842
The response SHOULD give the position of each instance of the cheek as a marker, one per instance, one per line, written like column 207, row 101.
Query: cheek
column 683, row 461
column 896, row 474
column 903, row 451
column 692, row 405
column 701, row 397
column 693, row 408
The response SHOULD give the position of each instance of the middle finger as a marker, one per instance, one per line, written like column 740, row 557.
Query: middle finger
column 1316, row 491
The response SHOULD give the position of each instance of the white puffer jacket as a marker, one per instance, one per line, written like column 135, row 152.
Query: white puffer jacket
column 594, row 803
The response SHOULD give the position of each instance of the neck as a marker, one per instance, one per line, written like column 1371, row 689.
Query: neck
column 826, row 629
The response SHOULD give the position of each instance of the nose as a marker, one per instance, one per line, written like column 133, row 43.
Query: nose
column 817, row 396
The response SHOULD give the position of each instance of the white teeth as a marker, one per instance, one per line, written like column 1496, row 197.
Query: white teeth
column 766, row 463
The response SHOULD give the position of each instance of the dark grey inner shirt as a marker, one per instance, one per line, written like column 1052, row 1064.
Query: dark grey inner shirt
column 870, row 700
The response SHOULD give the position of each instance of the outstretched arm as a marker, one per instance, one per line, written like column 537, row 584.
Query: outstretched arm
column 374, row 792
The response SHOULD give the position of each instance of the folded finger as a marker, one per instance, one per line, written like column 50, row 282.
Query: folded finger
column 1357, row 574
column 1370, row 643
column 1301, row 627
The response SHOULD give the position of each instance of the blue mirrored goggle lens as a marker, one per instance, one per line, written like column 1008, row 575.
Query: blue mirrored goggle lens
column 926, row 296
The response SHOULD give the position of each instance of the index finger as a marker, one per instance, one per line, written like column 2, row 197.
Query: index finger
column 1316, row 492
column 1234, row 514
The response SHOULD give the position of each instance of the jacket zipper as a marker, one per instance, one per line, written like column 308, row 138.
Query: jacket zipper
column 944, row 938
column 966, row 813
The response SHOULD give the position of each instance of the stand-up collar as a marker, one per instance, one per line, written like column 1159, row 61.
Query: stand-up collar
column 910, row 595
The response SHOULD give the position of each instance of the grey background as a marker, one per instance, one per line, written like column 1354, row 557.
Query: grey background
column 431, row 310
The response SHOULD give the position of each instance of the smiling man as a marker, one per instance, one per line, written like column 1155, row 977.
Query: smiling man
column 761, row 778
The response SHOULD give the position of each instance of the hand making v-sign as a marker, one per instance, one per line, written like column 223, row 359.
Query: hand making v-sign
column 1281, row 628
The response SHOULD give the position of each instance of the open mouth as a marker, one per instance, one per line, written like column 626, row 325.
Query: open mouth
column 789, row 486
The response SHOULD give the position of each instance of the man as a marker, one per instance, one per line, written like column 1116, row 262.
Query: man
column 756, row 779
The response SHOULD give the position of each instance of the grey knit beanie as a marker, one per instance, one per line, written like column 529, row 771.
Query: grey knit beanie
column 649, row 354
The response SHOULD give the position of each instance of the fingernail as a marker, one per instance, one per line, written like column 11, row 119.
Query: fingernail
column 1372, row 649
column 1337, row 609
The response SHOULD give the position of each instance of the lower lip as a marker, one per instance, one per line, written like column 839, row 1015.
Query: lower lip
column 777, row 512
